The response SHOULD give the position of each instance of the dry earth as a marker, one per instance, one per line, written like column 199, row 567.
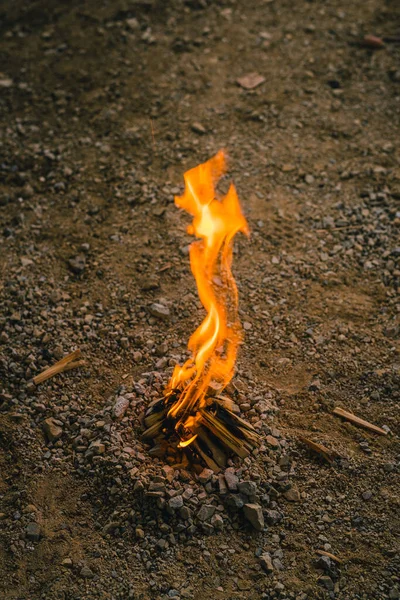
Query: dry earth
column 104, row 105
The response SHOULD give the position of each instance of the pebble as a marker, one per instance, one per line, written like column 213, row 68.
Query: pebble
column 266, row 562
column 67, row 562
column 327, row 582
column 120, row 407
column 198, row 128
column 254, row 514
column 77, row 264
column 176, row 502
column 247, row 487
column 160, row 311
column 86, row 573
column 292, row 494
column 231, row 479
column 33, row 532
column 205, row 475
column 206, row 512
column 52, row 430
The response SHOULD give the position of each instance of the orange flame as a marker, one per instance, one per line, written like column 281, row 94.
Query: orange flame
column 215, row 342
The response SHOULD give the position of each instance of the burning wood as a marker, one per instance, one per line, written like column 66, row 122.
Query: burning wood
column 188, row 415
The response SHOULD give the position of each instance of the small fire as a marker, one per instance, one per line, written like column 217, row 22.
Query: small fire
column 215, row 342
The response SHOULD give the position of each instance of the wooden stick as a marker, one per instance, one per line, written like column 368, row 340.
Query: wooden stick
column 340, row 412
column 329, row 555
column 328, row 455
column 65, row 364
column 211, row 464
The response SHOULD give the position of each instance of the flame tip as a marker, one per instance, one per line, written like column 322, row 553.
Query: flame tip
column 215, row 342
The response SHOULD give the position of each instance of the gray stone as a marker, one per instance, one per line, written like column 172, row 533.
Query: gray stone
column 272, row 516
column 234, row 501
column 206, row 512
column 120, row 407
column 278, row 564
column 159, row 310
column 217, row 521
column 205, row 475
column 33, row 532
column 254, row 514
column 176, row 502
column 247, row 487
column 86, row 573
column 185, row 512
column 327, row 582
column 231, row 479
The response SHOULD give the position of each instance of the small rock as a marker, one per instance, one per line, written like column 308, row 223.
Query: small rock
column 159, row 310
column 205, row 475
column 175, row 502
column 293, row 494
column 67, row 562
column 52, row 431
column 250, row 81
column 272, row 516
column 120, row 407
column 327, row 582
column 272, row 441
column 133, row 24
column 77, row 264
column 254, row 514
column 324, row 563
column 33, row 532
column 5, row 82
column 217, row 521
column 234, row 501
column 98, row 447
column 206, row 512
column 266, row 562
column 247, row 487
column 198, row 128
column 86, row 573
column 231, row 479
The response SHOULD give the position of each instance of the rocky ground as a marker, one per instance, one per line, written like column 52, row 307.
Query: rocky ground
column 104, row 105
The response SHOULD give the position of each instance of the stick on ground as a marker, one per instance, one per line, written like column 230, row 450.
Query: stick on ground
column 326, row 453
column 65, row 364
column 329, row 555
column 340, row 412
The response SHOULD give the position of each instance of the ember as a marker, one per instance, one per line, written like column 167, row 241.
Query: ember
column 193, row 412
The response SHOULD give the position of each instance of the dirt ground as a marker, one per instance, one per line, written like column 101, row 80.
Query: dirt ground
column 103, row 106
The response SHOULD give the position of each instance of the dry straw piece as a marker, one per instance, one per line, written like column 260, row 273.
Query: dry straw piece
column 65, row 364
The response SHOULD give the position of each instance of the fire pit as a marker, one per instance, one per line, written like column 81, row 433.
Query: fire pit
column 193, row 414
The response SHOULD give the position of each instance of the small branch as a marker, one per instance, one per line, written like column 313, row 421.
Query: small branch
column 340, row 412
column 329, row 555
column 65, row 364
column 328, row 455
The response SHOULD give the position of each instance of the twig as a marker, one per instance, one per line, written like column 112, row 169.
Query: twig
column 329, row 555
column 65, row 364
column 328, row 455
column 340, row 412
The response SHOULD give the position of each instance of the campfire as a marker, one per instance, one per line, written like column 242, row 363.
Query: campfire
column 193, row 414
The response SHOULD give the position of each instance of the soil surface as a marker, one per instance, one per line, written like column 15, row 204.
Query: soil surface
column 103, row 106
